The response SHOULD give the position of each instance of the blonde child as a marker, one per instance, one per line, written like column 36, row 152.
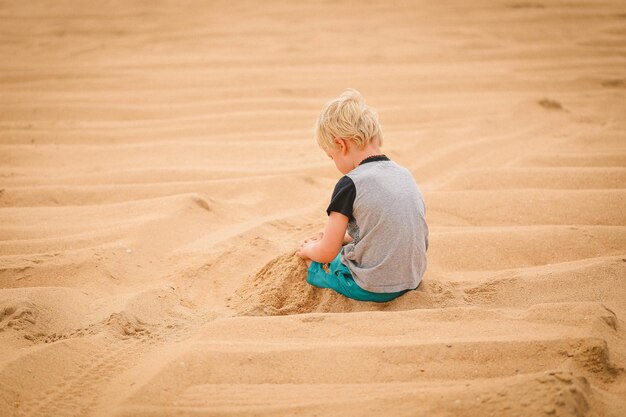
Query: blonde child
column 378, row 204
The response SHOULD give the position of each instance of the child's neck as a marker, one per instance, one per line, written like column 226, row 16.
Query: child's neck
column 358, row 155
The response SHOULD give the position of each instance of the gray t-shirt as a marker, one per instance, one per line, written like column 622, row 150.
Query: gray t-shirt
column 386, row 214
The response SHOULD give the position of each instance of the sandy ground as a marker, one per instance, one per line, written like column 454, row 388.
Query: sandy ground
column 157, row 170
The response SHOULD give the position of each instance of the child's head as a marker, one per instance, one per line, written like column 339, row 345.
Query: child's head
column 348, row 117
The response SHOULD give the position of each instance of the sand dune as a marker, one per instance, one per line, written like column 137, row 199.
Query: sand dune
column 157, row 172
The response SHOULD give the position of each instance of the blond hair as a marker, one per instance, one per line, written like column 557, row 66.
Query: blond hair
column 348, row 117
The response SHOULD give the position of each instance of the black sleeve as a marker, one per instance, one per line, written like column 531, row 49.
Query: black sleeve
column 343, row 197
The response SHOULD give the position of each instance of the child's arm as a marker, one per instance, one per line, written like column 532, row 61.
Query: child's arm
column 326, row 249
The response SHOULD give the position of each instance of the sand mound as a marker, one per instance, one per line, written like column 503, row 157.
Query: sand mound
column 280, row 288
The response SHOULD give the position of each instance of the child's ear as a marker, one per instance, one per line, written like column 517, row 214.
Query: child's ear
column 343, row 145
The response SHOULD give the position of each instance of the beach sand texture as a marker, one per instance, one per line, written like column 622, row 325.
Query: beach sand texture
column 158, row 171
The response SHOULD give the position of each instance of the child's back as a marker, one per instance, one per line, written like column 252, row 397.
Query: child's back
column 388, row 226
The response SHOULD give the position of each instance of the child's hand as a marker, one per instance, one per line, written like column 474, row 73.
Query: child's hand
column 302, row 250
column 318, row 236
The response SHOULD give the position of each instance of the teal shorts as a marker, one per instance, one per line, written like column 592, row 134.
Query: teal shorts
column 340, row 279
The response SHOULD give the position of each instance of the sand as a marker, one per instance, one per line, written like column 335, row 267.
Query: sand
column 158, row 171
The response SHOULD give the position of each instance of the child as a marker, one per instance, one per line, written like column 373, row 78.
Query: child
column 379, row 204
